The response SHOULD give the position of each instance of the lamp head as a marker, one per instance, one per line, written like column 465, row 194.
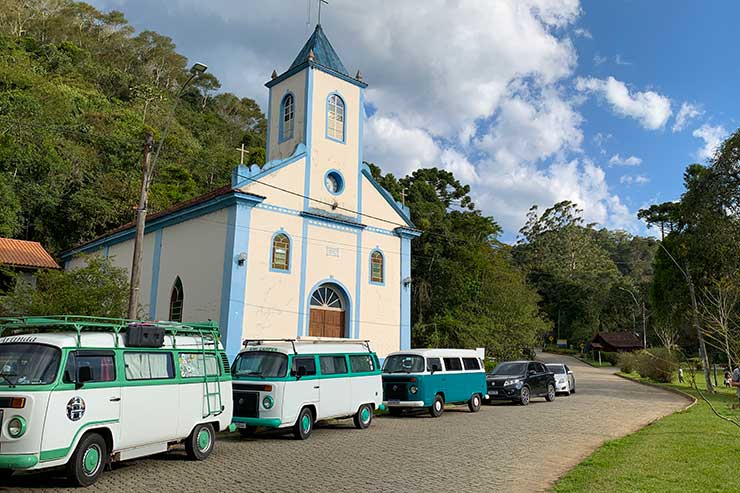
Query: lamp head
column 198, row 68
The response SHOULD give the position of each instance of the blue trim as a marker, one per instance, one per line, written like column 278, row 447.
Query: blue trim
column 244, row 175
column 343, row 140
column 281, row 231
column 234, row 286
column 335, row 219
column 339, row 177
column 405, row 342
column 302, row 283
column 106, row 251
column 281, row 135
column 155, row 275
column 176, row 217
column 309, row 128
column 317, row 66
column 407, row 233
column 370, row 267
column 347, row 309
column 360, row 154
column 358, row 284
column 400, row 209
column 269, row 124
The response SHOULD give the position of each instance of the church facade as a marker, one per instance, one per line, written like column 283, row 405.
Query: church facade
column 307, row 245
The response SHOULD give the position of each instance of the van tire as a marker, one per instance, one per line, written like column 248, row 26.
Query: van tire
column 474, row 403
column 363, row 417
column 437, row 407
column 304, row 424
column 199, row 444
column 88, row 460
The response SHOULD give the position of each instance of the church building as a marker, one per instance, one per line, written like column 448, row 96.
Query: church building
column 307, row 245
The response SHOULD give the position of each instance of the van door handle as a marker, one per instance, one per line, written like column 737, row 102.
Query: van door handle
column 115, row 399
column 316, row 386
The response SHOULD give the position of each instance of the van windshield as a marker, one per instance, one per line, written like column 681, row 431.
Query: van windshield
column 261, row 364
column 403, row 363
column 28, row 364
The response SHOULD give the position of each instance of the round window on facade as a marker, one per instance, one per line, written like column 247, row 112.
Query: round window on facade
column 334, row 182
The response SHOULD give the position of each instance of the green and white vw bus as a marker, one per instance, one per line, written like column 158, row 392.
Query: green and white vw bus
column 431, row 378
column 82, row 392
column 293, row 383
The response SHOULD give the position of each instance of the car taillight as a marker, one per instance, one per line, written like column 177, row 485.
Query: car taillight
column 18, row 402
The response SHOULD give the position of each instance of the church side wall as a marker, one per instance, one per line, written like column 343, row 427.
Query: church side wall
column 297, row 86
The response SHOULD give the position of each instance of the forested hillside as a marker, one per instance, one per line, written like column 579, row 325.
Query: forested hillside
column 78, row 91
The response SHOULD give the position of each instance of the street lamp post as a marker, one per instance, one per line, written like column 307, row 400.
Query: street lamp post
column 644, row 322
column 146, row 181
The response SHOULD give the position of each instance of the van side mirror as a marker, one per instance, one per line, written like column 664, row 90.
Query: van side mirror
column 300, row 373
column 84, row 374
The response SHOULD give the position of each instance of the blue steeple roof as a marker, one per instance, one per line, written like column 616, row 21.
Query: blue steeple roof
column 323, row 53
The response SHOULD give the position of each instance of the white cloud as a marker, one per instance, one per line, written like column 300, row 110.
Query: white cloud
column 687, row 113
column 582, row 33
column 636, row 179
column 712, row 137
column 398, row 148
column 621, row 61
column 598, row 59
column 617, row 160
column 651, row 109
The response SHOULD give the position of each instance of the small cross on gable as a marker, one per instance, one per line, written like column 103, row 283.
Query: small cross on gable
column 242, row 150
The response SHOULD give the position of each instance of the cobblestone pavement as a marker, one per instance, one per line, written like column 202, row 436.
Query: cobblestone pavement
column 505, row 447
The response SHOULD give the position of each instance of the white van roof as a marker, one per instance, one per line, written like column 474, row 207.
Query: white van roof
column 99, row 340
column 440, row 353
column 311, row 345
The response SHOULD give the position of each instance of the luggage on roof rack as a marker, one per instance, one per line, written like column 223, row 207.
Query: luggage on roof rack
column 142, row 334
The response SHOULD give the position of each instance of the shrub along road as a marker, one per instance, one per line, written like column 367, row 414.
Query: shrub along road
column 505, row 447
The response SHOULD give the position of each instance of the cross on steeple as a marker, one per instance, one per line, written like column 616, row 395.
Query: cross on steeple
column 242, row 150
column 320, row 2
column 403, row 196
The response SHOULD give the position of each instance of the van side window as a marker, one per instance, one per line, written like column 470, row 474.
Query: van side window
column 102, row 366
column 308, row 363
column 191, row 365
column 452, row 364
column 332, row 365
column 361, row 363
column 471, row 363
column 148, row 366
column 434, row 364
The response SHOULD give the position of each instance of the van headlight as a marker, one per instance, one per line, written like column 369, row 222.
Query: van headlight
column 413, row 389
column 16, row 427
column 268, row 402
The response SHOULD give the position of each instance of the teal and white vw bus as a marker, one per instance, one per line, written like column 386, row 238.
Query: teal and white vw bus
column 431, row 378
column 293, row 383
column 82, row 392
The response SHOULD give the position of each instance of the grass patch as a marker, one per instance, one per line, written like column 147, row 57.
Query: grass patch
column 595, row 363
column 690, row 450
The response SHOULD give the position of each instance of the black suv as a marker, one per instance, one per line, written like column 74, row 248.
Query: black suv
column 519, row 381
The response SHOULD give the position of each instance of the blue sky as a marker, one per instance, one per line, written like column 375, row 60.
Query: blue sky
column 528, row 101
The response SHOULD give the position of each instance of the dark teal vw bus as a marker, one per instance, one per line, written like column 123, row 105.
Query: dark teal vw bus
column 431, row 378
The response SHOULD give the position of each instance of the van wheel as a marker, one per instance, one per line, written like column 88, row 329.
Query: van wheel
column 304, row 424
column 363, row 417
column 438, row 406
column 247, row 431
column 86, row 464
column 474, row 403
column 199, row 444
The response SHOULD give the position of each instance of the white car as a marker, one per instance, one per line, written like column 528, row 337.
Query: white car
column 565, row 381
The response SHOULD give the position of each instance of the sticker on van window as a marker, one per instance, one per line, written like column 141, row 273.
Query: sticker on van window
column 76, row 408
column 262, row 348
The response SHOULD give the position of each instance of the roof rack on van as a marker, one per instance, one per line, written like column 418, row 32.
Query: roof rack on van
column 314, row 340
column 79, row 323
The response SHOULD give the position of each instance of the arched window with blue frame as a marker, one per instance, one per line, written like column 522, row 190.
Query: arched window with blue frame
column 287, row 117
column 377, row 267
column 335, row 117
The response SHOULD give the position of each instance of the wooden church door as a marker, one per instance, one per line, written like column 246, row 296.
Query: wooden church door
column 327, row 317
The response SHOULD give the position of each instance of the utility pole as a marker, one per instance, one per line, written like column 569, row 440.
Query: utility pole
column 146, row 169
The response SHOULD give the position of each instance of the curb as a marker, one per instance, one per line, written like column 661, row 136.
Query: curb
column 693, row 400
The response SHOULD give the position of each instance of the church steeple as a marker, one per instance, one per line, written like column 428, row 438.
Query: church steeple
column 323, row 53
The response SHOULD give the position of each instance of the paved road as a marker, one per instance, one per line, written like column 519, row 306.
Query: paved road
column 505, row 447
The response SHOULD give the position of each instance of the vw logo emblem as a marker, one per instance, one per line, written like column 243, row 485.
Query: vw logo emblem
column 395, row 387
column 76, row 408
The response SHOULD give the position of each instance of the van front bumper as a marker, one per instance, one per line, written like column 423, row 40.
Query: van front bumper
column 403, row 403
column 266, row 422
column 24, row 461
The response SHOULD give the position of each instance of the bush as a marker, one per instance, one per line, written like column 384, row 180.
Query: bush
column 610, row 357
column 657, row 364
column 627, row 362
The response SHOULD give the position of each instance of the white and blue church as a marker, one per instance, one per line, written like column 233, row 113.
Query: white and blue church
column 307, row 245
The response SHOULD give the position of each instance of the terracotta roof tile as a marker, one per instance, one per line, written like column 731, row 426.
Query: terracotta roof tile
column 21, row 253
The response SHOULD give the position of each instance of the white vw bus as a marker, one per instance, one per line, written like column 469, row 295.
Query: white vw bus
column 81, row 392
column 293, row 383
